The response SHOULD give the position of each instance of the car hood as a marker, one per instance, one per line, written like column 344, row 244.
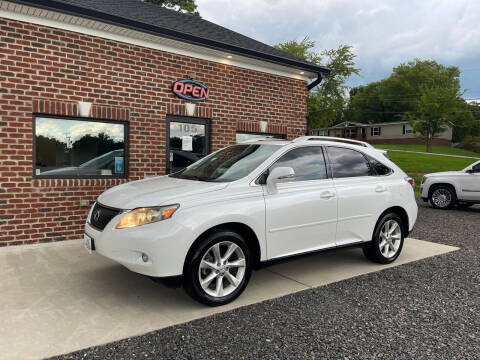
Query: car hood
column 162, row 190
column 445, row 173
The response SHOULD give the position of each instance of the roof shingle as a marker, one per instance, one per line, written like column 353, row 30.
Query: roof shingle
column 164, row 22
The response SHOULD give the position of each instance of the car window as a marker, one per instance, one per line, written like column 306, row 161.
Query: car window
column 307, row 162
column 476, row 168
column 349, row 163
column 379, row 168
column 229, row 164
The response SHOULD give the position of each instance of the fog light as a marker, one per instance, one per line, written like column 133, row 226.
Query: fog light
column 144, row 257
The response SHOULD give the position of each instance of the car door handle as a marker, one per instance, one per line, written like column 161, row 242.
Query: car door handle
column 381, row 188
column 327, row 194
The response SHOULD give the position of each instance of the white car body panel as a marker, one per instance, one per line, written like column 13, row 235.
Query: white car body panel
column 467, row 185
column 155, row 191
column 299, row 219
column 302, row 216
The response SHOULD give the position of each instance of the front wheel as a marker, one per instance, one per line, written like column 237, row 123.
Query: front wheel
column 219, row 269
column 442, row 197
column 387, row 241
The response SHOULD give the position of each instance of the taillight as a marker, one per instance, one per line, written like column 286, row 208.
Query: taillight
column 410, row 180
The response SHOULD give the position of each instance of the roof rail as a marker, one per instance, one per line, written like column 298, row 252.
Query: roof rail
column 335, row 139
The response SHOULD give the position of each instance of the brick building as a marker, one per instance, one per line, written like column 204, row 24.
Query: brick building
column 88, row 101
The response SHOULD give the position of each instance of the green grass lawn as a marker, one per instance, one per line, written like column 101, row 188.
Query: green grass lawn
column 435, row 149
column 420, row 163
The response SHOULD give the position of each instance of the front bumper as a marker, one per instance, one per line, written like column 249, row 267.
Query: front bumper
column 166, row 243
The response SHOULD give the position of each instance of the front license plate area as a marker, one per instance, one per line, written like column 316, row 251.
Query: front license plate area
column 89, row 243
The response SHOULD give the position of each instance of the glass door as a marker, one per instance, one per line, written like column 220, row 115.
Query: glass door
column 188, row 140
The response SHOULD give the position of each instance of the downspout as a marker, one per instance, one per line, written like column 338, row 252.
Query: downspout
column 310, row 86
column 315, row 82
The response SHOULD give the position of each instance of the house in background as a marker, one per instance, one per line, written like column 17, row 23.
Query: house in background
column 382, row 133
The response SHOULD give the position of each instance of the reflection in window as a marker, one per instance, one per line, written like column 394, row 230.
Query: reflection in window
column 379, row 168
column 78, row 148
column 349, row 163
column 242, row 137
column 229, row 164
column 307, row 162
column 187, row 137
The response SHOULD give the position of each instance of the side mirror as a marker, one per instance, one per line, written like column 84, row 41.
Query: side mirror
column 470, row 171
column 279, row 175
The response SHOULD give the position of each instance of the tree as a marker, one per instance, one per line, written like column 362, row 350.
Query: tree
column 438, row 108
column 326, row 102
column 185, row 6
column 302, row 49
column 425, row 93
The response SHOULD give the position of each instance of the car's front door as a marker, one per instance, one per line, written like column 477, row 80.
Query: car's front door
column 470, row 184
column 302, row 215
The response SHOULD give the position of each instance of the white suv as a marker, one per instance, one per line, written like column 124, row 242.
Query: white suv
column 445, row 189
column 221, row 217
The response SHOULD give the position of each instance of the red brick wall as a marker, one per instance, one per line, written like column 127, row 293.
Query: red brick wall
column 47, row 70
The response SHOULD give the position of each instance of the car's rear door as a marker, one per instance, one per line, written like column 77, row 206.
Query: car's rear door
column 362, row 194
column 302, row 215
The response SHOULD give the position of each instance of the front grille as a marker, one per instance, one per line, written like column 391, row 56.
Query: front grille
column 102, row 215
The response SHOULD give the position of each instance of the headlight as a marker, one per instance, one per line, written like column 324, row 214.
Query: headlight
column 89, row 216
column 146, row 215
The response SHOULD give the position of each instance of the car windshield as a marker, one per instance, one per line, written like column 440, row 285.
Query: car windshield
column 229, row 164
column 470, row 167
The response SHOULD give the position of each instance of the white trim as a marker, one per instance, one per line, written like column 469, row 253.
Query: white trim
column 58, row 20
column 376, row 128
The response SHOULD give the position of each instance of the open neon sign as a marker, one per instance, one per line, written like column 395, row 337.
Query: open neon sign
column 191, row 90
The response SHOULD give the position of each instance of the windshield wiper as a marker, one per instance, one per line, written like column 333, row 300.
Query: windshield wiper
column 194, row 177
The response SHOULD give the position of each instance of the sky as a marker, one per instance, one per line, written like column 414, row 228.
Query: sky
column 383, row 33
column 74, row 129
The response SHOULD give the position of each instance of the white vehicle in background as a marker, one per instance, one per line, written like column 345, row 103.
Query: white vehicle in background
column 446, row 189
column 213, row 222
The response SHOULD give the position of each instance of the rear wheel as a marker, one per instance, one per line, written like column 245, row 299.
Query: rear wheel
column 219, row 269
column 442, row 197
column 387, row 240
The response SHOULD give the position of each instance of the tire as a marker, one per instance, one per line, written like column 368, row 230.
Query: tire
column 442, row 197
column 222, row 283
column 383, row 249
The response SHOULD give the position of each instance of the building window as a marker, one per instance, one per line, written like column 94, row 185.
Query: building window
column 322, row 133
column 79, row 148
column 244, row 136
column 376, row 131
column 407, row 129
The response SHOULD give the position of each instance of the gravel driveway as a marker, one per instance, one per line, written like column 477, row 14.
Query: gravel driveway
column 422, row 310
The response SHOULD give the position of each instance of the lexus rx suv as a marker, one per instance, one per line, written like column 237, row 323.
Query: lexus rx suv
column 446, row 189
column 215, row 221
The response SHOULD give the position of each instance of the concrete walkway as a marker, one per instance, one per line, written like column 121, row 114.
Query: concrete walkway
column 57, row 298
column 427, row 153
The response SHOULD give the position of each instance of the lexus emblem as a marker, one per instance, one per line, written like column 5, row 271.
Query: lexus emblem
column 96, row 215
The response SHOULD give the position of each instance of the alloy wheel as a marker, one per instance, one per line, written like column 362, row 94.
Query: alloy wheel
column 222, row 269
column 442, row 198
column 390, row 238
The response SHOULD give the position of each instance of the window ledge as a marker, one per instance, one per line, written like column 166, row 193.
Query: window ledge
column 78, row 182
